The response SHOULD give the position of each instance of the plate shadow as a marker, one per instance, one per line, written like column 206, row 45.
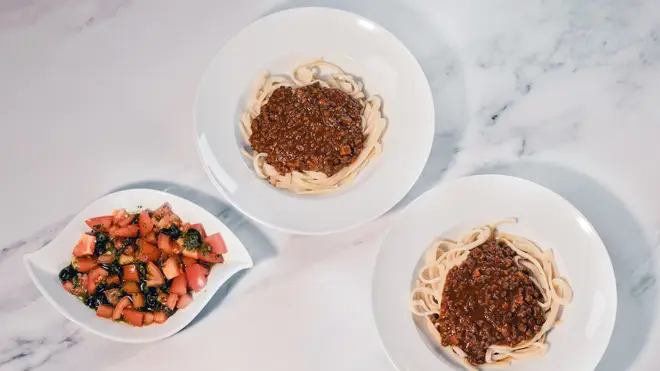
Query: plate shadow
column 631, row 254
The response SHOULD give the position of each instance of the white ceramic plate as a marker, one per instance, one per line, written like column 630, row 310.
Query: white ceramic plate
column 578, row 343
column 279, row 42
column 45, row 264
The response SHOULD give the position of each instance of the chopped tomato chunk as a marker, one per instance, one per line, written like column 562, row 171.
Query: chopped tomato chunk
column 151, row 238
column 79, row 285
column 164, row 209
column 165, row 244
column 133, row 317
column 211, row 257
column 128, row 231
column 126, row 221
column 154, row 275
column 105, row 311
column 84, row 264
column 85, row 245
column 179, row 284
column 187, row 261
column 100, row 222
column 196, row 277
column 160, row 317
column 118, row 215
column 171, row 301
column 148, row 318
column 217, row 243
column 123, row 303
column 112, row 280
column 130, row 273
column 112, row 295
column 95, row 277
column 145, row 223
column 171, row 268
column 194, row 254
column 68, row 286
column 147, row 252
column 106, row 259
column 130, row 287
column 184, row 301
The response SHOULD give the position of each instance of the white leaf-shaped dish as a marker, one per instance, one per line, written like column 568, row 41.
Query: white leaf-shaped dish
column 45, row 264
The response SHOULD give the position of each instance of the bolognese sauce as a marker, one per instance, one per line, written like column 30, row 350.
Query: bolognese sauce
column 488, row 300
column 310, row 128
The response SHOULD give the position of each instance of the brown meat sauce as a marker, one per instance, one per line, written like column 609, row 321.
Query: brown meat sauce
column 488, row 300
column 309, row 128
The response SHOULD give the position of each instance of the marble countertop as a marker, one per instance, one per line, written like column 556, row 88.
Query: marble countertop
column 96, row 96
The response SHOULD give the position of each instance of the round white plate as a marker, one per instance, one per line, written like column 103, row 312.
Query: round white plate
column 279, row 42
column 577, row 343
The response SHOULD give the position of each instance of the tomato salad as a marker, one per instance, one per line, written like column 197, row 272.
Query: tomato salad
column 141, row 267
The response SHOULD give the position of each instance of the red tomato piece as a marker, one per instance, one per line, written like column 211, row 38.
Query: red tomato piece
column 106, row 259
column 138, row 300
column 121, row 305
column 119, row 241
column 179, row 284
column 171, row 268
column 196, row 277
column 130, row 287
column 68, row 286
column 162, row 297
column 171, row 301
column 112, row 295
column 105, row 311
column 147, row 252
column 184, row 301
column 84, row 264
column 164, row 209
column 193, row 254
column 128, row 231
column 79, row 285
column 154, row 275
column 200, row 228
column 95, row 277
column 148, row 318
column 85, row 245
column 126, row 221
column 145, row 223
column 130, row 273
column 100, row 222
column 165, row 244
column 118, row 215
column 112, row 280
column 151, row 238
column 133, row 317
column 217, row 243
column 160, row 317
column 188, row 261
column 211, row 257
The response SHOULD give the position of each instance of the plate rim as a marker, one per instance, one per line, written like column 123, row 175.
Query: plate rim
column 29, row 266
column 442, row 184
column 227, row 196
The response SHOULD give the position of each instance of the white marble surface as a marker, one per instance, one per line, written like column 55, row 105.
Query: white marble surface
column 96, row 95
